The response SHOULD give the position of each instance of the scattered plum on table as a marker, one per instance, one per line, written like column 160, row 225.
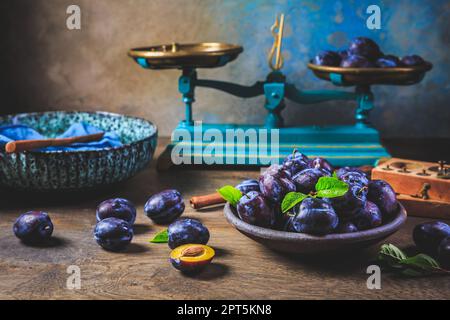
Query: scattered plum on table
column 116, row 208
column 187, row 231
column 165, row 207
column 113, row 234
column 33, row 227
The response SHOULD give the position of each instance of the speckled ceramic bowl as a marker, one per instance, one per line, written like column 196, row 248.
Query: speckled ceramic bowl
column 77, row 170
column 302, row 243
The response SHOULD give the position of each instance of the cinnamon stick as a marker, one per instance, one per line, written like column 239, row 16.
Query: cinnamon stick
column 26, row 145
column 206, row 201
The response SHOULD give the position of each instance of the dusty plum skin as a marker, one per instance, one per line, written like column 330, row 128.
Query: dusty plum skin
column 255, row 210
column 248, row 185
column 113, row 234
column 368, row 217
column 355, row 178
column 427, row 236
column 314, row 216
column 33, row 227
column 322, row 164
column 413, row 61
column 382, row 194
column 346, row 227
column 355, row 61
column 186, row 231
column 117, row 208
column 389, row 61
column 327, row 58
column 295, row 163
column 365, row 47
column 165, row 207
column 341, row 171
column 275, row 183
column 444, row 253
column 348, row 205
column 306, row 180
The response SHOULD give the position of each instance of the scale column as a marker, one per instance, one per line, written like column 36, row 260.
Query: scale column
column 187, row 88
column 365, row 101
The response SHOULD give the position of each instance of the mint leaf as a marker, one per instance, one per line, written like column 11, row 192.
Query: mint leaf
column 230, row 194
column 291, row 200
column 330, row 187
column 161, row 237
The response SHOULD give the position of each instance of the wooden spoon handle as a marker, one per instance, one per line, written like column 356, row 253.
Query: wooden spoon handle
column 26, row 145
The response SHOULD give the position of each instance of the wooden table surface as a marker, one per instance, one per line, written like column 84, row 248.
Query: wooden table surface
column 242, row 268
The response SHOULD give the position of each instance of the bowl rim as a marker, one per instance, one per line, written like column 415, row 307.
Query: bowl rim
column 276, row 235
column 71, row 152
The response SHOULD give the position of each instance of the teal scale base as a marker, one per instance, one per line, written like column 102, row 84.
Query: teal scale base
column 355, row 145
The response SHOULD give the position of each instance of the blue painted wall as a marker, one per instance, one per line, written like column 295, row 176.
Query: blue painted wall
column 408, row 27
column 89, row 69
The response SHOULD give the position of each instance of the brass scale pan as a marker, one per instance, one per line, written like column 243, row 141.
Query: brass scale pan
column 214, row 54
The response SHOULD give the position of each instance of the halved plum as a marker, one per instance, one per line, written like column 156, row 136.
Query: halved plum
column 191, row 258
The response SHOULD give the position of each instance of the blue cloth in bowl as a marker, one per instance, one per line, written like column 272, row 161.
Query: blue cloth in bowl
column 16, row 132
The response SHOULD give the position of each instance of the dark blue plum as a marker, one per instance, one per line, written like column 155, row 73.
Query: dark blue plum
column 327, row 58
column 355, row 178
column 165, row 207
column 306, row 180
column 116, row 208
column 346, row 227
column 322, row 164
column 389, row 61
column 413, row 61
column 113, row 234
column 427, row 236
column 255, row 210
column 365, row 47
column 295, row 162
column 382, row 194
column 444, row 253
column 33, row 227
column 354, row 61
column 187, row 231
column 314, row 216
column 275, row 183
column 343, row 54
column 348, row 205
column 341, row 171
column 368, row 217
column 248, row 185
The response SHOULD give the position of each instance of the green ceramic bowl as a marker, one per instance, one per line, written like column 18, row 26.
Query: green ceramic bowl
column 77, row 170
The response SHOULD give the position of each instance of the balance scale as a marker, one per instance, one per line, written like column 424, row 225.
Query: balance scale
column 351, row 145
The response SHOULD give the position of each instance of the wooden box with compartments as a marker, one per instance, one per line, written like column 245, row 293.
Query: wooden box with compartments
column 422, row 187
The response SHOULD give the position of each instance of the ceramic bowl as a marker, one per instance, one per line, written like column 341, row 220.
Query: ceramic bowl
column 300, row 243
column 78, row 170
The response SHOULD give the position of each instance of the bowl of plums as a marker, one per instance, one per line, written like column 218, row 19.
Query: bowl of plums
column 306, row 206
column 364, row 63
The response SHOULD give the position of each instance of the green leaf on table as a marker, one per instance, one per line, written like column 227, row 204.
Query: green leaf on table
column 392, row 252
column 291, row 200
column 161, row 237
column 230, row 194
column 417, row 266
column 330, row 187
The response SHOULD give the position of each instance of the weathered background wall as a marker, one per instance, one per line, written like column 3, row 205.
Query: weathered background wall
column 47, row 67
